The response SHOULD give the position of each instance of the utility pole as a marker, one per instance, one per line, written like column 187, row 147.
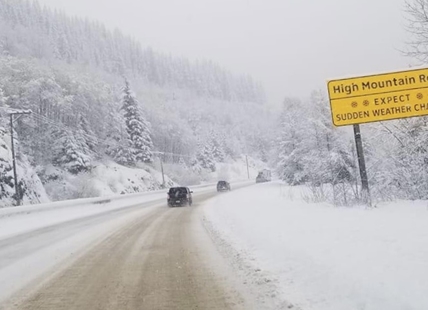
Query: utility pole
column 15, row 175
column 248, row 169
column 362, row 164
column 163, row 176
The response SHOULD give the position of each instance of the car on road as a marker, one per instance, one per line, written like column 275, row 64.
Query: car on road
column 223, row 186
column 264, row 176
column 179, row 196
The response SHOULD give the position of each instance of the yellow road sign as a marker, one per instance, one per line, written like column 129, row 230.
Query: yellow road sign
column 379, row 97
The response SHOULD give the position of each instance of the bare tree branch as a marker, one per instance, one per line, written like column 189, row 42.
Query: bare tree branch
column 417, row 27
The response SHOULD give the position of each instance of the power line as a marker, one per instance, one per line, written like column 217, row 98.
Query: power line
column 43, row 118
column 39, row 117
column 68, row 130
column 61, row 126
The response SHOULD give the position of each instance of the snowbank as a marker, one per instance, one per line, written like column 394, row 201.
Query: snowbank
column 109, row 178
column 22, row 219
column 321, row 257
column 104, row 179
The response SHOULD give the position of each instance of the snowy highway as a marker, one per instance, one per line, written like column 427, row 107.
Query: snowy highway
column 143, row 255
column 313, row 119
column 260, row 246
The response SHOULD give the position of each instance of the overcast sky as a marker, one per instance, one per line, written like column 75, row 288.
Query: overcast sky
column 291, row 46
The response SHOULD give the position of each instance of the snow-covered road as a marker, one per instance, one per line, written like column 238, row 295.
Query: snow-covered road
column 257, row 247
column 50, row 254
column 316, row 256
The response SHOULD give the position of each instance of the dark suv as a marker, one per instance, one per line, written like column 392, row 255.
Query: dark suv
column 179, row 196
column 223, row 186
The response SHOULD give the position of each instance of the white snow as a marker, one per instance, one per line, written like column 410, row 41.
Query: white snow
column 237, row 169
column 105, row 179
column 321, row 257
column 33, row 187
column 19, row 220
column 48, row 260
column 108, row 178
column 22, row 219
column 61, row 244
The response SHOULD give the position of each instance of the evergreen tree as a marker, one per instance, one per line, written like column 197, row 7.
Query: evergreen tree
column 217, row 148
column 291, row 144
column 116, row 146
column 121, row 155
column 205, row 157
column 196, row 167
column 139, row 138
column 86, row 135
column 69, row 154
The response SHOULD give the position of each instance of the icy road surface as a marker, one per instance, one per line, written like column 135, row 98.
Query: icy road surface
column 130, row 256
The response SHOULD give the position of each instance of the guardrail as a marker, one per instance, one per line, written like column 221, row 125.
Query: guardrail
column 57, row 205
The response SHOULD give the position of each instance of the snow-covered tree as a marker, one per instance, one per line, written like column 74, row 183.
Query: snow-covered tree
column 2, row 97
column 136, row 126
column 310, row 148
column 69, row 154
column 312, row 151
column 86, row 135
column 86, row 61
column 27, row 29
column 291, row 143
column 398, row 158
column 121, row 155
column 182, row 162
column 330, row 157
column 195, row 165
column 205, row 156
column 217, row 148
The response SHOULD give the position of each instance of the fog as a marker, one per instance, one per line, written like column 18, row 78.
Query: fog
column 291, row 46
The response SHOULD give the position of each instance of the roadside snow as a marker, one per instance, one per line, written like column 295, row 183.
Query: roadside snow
column 60, row 253
column 59, row 231
column 319, row 257
column 22, row 219
column 37, row 217
column 105, row 179
column 33, row 191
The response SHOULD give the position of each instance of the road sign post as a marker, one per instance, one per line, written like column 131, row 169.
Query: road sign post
column 365, row 190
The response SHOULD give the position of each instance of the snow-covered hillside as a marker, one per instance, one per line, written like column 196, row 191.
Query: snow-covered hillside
column 106, row 111
column 32, row 190
column 109, row 178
